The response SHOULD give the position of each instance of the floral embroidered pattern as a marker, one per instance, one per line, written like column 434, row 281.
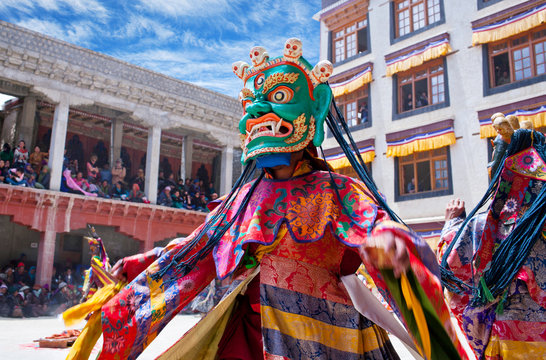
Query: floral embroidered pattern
column 527, row 162
column 308, row 205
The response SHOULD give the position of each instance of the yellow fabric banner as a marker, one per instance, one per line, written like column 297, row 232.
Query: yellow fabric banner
column 510, row 29
column 418, row 59
column 342, row 162
column 352, row 85
column 431, row 143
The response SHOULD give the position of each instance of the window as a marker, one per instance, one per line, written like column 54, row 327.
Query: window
column 354, row 107
column 484, row 3
column 421, row 87
column 517, row 58
column 424, row 172
column 350, row 40
column 412, row 15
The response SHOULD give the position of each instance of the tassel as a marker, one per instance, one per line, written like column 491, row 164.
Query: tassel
column 500, row 307
column 415, row 306
column 485, row 291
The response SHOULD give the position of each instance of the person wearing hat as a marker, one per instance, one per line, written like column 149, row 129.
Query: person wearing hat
column 165, row 197
column 21, row 276
column 6, row 303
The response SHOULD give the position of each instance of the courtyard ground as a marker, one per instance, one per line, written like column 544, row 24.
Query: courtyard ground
column 17, row 335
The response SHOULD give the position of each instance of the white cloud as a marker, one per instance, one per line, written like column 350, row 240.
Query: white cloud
column 77, row 33
column 198, row 8
column 138, row 26
column 79, row 7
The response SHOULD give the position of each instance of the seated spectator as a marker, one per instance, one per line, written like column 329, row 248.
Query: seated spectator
column 21, row 277
column 161, row 181
column 63, row 299
column 72, row 183
column 177, row 200
column 28, row 170
column 422, row 100
column 6, row 154
column 180, row 185
column 92, row 169
column 171, row 181
column 104, row 189
column 135, row 195
column 37, row 304
column 105, row 173
column 165, row 197
column 187, row 185
column 18, row 303
column 210, row 190
column 3, row 172
column 31, row 275
column 117, row 192
column 6, row 302
column 16, row 176
column 32, row 183
column 118, row 172
column 214, row 196
column 195, row 187
column 187, row 200
column 44, row 177
column 139, row 179
column 36, row 159
column 69, row 277
column 199, row 204
column 9, row 279
column 20, row 155
column 81, row 182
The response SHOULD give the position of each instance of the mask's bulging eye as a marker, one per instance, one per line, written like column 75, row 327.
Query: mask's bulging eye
column 259, row 81
column 281, row 95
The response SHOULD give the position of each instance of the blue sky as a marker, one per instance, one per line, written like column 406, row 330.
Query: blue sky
column 192, row 40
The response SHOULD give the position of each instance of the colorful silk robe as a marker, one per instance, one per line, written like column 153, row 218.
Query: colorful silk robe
column 513, row 327
column 305, row 235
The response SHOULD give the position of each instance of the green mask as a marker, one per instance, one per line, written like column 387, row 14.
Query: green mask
column 285, row 102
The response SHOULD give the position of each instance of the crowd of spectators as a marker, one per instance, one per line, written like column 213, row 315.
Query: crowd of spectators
column 97, row 178
column 18, row 167
column 21, row 296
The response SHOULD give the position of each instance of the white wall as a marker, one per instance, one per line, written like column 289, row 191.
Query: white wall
column 465, row 80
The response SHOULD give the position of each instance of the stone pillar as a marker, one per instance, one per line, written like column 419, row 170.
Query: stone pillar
column 226, row 181
column 8, row 128
column 188, row 156
column 26, row 126
column 116, row 139
column 152, row 163
column 46, row 257
column 58, row 141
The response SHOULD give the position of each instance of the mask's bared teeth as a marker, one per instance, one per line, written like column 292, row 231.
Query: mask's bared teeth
column 278, row 126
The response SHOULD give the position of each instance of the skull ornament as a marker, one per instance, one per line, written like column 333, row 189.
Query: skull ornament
column 323, row 70
column 239, row 68
column 258, row 55
column 292, row 48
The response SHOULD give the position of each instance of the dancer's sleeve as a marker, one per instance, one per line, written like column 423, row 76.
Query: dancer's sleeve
column 132, row 319
column 417, row 296
column 134, row 265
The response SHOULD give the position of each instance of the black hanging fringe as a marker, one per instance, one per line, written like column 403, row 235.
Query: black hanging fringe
column 217, row 223
column 336, row 123
column 514, row 250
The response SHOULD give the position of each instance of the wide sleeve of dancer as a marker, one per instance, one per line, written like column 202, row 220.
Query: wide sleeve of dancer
column 460, row 257
column 136, row 315
column 423, row 267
